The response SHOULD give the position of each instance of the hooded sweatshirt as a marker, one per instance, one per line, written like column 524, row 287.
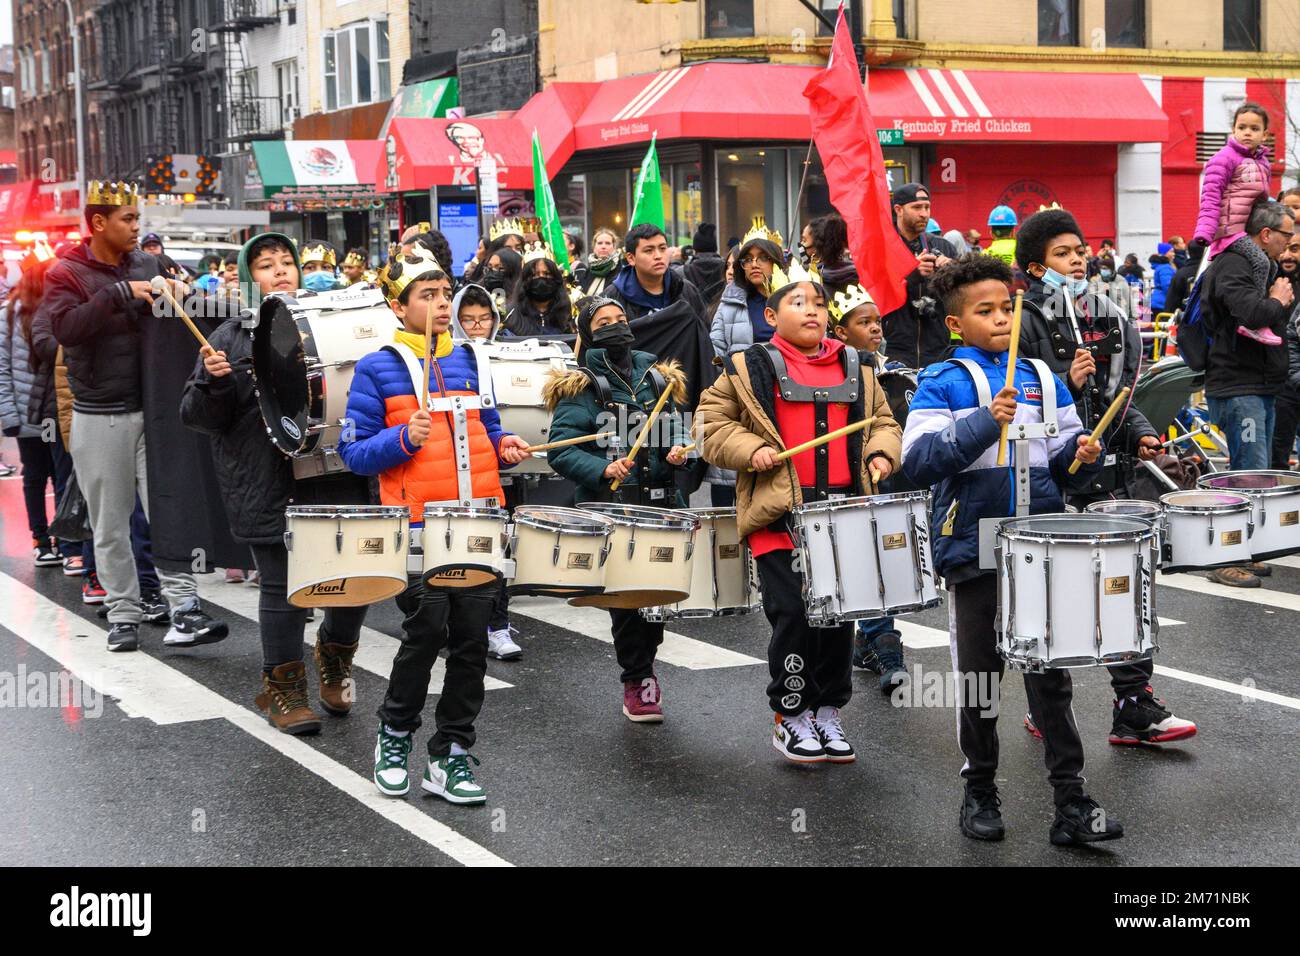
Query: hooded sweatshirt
column 458, row 333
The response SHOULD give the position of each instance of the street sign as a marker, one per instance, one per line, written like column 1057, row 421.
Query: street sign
column 890, row 137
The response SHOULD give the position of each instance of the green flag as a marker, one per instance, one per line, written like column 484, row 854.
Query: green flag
column 544, row 204
column 649, row 203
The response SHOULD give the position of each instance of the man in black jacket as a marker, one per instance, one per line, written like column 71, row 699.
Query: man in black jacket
column 100, row 307
column 915, row 332
column 707, row 270
column 1288, row 400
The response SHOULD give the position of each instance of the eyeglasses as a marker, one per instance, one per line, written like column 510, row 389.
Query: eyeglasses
column 756, row 261
column 476, row 323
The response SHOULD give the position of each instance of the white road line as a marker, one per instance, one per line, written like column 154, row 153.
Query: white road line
column 1268, row 597
column 918, row 636
column 1241, row 690
column 147, row 687
column 677, row 649
column 375, row 654
column 1290, row 561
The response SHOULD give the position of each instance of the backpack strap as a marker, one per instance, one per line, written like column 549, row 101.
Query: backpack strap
column 982, row 390
column 1048, row 387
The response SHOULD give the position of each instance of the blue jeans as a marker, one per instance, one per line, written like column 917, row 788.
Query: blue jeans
column 870, row 630
column 1247, row 422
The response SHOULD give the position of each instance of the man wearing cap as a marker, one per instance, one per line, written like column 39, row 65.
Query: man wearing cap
column 915, row 331
column 1162, row 273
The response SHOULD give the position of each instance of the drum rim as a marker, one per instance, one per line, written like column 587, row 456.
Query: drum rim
column 341, row 511
column 1223, row 509
column 671, row 519
column 832, row 503
column 1288, row 489
column 599, row 524
column 710, row 512
column 1151, row 506
column 1143, row 530
column 463, row 511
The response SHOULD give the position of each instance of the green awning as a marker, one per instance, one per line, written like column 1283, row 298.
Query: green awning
column 428, row 100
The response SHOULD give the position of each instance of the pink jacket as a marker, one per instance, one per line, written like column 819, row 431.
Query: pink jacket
column 1234, row 180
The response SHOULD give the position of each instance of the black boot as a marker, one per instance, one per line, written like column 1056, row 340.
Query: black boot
column 1083, row 820
column 980, row 817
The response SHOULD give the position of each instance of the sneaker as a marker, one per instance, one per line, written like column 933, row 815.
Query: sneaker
column 795, row 738
column 1083, row 820
column 74, row 566
column 980, row 817
column 190, row 628
column 642, row 699
column 91, row 592
column 1234, row 577
column 254, row 579
column 391, row 753
column 7, row 470
column 124, row 637
column 1262, row 336
column 45, row 553
column 1032, row 727
column 452, row 779
column 888, row 648
column 234, row 576
column 1144, row 719
column 153, row 607
column 830, row 731
column 502, row 646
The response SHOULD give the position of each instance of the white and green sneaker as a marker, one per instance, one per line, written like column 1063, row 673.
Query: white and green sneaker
column 452, row 779
column 391, row 752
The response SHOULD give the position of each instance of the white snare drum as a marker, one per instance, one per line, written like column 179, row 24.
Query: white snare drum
column 866, row 557
column 649, row 557
column 559, row 551
column 1275, row 501
column 463, row 547
column 1204, row 529
column 519, row 371
column 345, row 555
column 723, row 580
column 1075, row 590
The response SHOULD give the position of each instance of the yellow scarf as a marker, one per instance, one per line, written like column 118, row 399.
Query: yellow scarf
column 415, row 342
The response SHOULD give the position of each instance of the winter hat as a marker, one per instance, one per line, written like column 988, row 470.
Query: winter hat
column 1164, row 249
column 706, row 238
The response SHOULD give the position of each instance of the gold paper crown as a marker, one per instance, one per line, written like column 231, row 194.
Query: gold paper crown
column 1054, row 205
column 780, row 278
column 319, row 252
column 104, row 193
column 537, row 250
column 505, row 227
column 848, row 300
column 403, row 269
column 759, row 230
column 353, row 259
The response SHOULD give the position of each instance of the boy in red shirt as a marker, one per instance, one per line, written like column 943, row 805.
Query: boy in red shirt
column 773, row 396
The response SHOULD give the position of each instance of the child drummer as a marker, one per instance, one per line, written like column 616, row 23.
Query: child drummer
column 951, row 442
column 415, row 454
column 747, row 418
column 618, row 382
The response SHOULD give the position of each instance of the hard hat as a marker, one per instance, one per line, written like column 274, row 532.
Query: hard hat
column 1002, row 216
column 932, row 227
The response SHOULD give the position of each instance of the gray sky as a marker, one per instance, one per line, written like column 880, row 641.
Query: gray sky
column 6, row 22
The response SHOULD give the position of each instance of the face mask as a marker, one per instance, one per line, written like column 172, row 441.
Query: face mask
column 617, row 337
column 318, row 282
column 493, row 279
column 1076, row 287
column 1108, row 274
column 542, row 288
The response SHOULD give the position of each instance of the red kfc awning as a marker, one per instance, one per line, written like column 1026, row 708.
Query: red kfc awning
column 15, row 200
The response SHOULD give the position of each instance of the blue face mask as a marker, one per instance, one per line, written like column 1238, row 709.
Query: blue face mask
column 1108, row 274
column 1076, row 287
column 319, row 282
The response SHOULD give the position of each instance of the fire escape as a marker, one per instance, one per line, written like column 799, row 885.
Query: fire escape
column 248, row 115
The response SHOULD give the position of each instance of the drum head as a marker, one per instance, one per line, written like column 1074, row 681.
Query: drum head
column 347, row 592
column 1074, row 527
column 1251, row 480
column 1139, row 509
column 556, row 518
column 641, row 516
column 630, row 600
column 1204, row 500
column 280, row 375
column 899, row 386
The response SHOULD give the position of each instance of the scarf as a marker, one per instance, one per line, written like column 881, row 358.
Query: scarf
column 602, row 268
column 415, row 342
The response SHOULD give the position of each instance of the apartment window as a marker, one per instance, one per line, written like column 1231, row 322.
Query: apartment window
column 286, row 90
column 1241, row 24
column 356, row 65
column 45, row 66
column 1126, row 23
column 1058, row 22
column 728, row 18
column 900, row 19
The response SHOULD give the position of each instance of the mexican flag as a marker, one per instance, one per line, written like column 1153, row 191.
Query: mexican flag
column 544, row 205
column 649, row 203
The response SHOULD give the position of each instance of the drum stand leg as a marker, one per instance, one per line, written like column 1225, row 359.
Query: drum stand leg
column 835, row 559
column 1096, row 600
column 880, row 570
column 1047, row 619
column 713, row 562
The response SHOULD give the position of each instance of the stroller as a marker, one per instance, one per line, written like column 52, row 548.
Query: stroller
column 1163, row 394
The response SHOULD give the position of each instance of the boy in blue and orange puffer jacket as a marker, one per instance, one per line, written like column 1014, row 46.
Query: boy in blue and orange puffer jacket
column 449, row 453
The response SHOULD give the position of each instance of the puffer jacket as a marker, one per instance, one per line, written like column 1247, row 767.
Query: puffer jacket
column 731, row 330
column 1162, row 274
column 951, row 442
column 737, row 417
column 1234, row 178
column 26, row 392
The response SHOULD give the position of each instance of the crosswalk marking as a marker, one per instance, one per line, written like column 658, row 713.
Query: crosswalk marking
column 918, row 636
column 677, row 649
column 375, row 654
column 147, row 687
column 1268, row 597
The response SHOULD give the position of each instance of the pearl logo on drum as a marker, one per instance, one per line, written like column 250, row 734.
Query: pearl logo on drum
column 1230, row 537
column 290, row 427
column 370, row 546
column 727, row 552
column 1288, row 518
column 479, row 544
column 1117, row 585
column 891, row 541
column 659, row 555
column 580, row 560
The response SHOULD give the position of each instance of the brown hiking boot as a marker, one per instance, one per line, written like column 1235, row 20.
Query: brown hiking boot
column 337, row 689
column 1259, row 569
column 1235, row 577
column 284, row 699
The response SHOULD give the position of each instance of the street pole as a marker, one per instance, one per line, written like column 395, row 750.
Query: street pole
column 76, row 87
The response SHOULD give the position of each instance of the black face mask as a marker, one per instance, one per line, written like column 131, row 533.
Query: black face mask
column 493, row 279
column 615, row 339
column 542, row 288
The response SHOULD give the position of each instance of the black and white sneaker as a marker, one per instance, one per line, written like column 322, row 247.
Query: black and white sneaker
column 153, row 607
column 795, row 738
column 124, row 637
column 45, row 553
column 830, row 731
column 190, row 628
column 1083, row 820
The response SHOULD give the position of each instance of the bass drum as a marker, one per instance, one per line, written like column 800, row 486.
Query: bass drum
column 519, row 371
column 899, row 385
column 304, row 353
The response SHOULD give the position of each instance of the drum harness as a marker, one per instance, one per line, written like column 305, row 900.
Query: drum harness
column 644, row 492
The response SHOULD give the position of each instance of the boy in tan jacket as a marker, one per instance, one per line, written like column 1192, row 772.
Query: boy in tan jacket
column 773, row 396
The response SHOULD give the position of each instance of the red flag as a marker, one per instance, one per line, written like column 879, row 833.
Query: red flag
column 845, row 135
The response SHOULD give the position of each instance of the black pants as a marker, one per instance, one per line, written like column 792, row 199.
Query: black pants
column 810, row 666
column 281, row 623
column 37, row 457
column 636, row 641
column 1286, row 411
column 978, row 668
column 499, row 618
column 454, row 618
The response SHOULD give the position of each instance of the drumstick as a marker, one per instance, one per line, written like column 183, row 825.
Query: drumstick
column 829, row 436
column 568, row 441
column 1011, row 368
column 640, row 439
column 428, row 357
column 159, row 284
column 687, row 449
column 1103, row 424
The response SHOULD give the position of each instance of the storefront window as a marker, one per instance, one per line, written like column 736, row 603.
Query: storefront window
column 608, row 192
column 1058, row 22
column 1126, row 24
column 688, row 201
column 728, row 18
column 752, row 182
